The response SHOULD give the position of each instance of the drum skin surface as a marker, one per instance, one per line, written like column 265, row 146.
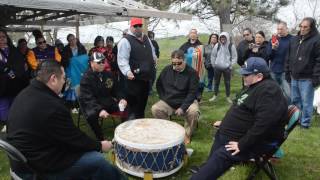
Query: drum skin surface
column 149, row 145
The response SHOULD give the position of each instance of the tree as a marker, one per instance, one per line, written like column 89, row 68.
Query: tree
column 228, row 11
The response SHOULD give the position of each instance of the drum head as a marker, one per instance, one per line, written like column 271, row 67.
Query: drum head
column 149, row 134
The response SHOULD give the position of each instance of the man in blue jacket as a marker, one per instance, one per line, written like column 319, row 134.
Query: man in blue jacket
column 277, row 50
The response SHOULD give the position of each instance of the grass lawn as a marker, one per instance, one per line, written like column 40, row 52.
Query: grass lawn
column 302, row 149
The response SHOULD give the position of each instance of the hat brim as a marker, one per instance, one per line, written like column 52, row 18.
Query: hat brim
column 245, row 72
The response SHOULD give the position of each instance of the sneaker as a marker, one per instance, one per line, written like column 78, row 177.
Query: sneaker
column 229, row 100
column 214, row 97
column 4, row 129
column 74, row 111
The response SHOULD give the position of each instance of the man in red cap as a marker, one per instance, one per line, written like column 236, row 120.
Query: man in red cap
column 136, row 60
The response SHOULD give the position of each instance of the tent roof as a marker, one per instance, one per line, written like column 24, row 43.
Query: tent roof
column 67, row 12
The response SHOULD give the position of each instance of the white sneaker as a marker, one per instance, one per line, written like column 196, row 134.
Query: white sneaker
column 229, row 100
column 214, row 97
column 74, row 111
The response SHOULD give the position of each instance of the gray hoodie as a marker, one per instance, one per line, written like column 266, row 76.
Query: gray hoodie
column 221, row 59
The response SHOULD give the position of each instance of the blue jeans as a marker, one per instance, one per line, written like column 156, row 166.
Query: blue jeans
column 91, row 165
column 210, row 77
column 302, row 93
column 284, row 85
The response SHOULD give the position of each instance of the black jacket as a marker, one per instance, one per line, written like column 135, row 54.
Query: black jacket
column 99, row 91
column 184, row 47
column 257, row 115
column 67, row 53
column 303, row 57
column 41, row 127
column 16, row 65
column 262, row 52
column 241, row 50
column 178, row 89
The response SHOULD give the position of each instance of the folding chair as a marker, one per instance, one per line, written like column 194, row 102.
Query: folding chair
column 263, row 161
column 16, row 156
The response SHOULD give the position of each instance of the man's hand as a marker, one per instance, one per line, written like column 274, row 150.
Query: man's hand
column 103, row 114
column 233, row 146
column 275, row 45
column 106, row 145
column 130, row 75
column 179, row 112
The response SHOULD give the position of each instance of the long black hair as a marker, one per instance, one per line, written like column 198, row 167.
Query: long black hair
column 213, row 34
column 9, row 41
column 37, row 34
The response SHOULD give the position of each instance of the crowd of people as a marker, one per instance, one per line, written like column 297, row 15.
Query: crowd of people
column 38, row 92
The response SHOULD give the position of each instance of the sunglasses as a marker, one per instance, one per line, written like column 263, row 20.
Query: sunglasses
column 41, row 42
column 177, row 63
column 138, row 26
column 100, row 62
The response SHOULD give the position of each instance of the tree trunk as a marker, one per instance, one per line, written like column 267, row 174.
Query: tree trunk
column 224, row 9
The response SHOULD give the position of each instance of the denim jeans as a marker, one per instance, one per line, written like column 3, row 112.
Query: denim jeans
column 284, row 85
column 210, row 77
column 302, row 93
column 92, row 165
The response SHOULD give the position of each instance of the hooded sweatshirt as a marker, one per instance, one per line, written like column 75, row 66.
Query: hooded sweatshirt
column 222, row 59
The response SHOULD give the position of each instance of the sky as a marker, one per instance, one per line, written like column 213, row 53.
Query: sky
column 169, row 28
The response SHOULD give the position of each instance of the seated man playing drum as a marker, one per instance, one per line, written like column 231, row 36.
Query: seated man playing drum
column 100, row 94
column 177, row 87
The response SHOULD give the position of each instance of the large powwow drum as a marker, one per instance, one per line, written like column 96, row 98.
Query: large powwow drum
column 149, row 145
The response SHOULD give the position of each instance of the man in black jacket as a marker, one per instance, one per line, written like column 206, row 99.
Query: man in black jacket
column 303, row 68
column 177, row 87
column 100, row 94
column 41, row 127
column 256, row 118
column 244, row 45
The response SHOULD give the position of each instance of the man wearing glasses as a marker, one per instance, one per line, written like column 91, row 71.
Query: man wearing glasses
column 256, row 118
column 244, row 45
column 136, row 60
column 100, row 94
column 177, row 87
column 303, row 68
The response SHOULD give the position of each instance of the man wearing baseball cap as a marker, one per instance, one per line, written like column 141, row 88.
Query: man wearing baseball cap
column 136, row 60
column 256, row 118
column 99, row 93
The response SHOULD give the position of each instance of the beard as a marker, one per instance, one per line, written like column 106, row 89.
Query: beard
column 138, row 34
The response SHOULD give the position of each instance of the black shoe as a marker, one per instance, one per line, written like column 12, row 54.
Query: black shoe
column 194, row 169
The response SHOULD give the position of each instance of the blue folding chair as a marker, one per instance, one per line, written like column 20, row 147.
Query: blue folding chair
column 263, row 161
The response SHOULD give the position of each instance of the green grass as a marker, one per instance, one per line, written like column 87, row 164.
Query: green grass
column 302, row 149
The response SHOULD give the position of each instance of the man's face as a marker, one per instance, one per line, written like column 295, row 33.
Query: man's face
column 57, row 82
column 97, row 66
column 193, row 35
column 247, row 36
column 178, row 64
column 223, row 39
column 250, row 79
column 137, row 30
column 305, row 28
column 72, row 41
column 282, row 30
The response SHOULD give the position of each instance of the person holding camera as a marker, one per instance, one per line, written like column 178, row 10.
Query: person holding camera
column 136, row 60
column 259, row 48
column 13, row 74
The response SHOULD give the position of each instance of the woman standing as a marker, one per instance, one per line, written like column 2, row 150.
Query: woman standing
column 213, row 40
column 13, row 74
column 75, row 61
column 259, row 49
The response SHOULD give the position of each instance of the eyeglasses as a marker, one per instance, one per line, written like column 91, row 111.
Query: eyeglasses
column 138, row 26
column 41, row 42
column 100, row 62
column 177, row 63
column 244, row 35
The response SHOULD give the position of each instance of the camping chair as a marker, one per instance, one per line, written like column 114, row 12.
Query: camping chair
column 16, row 156
column 263, row 161
column 113, row 116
